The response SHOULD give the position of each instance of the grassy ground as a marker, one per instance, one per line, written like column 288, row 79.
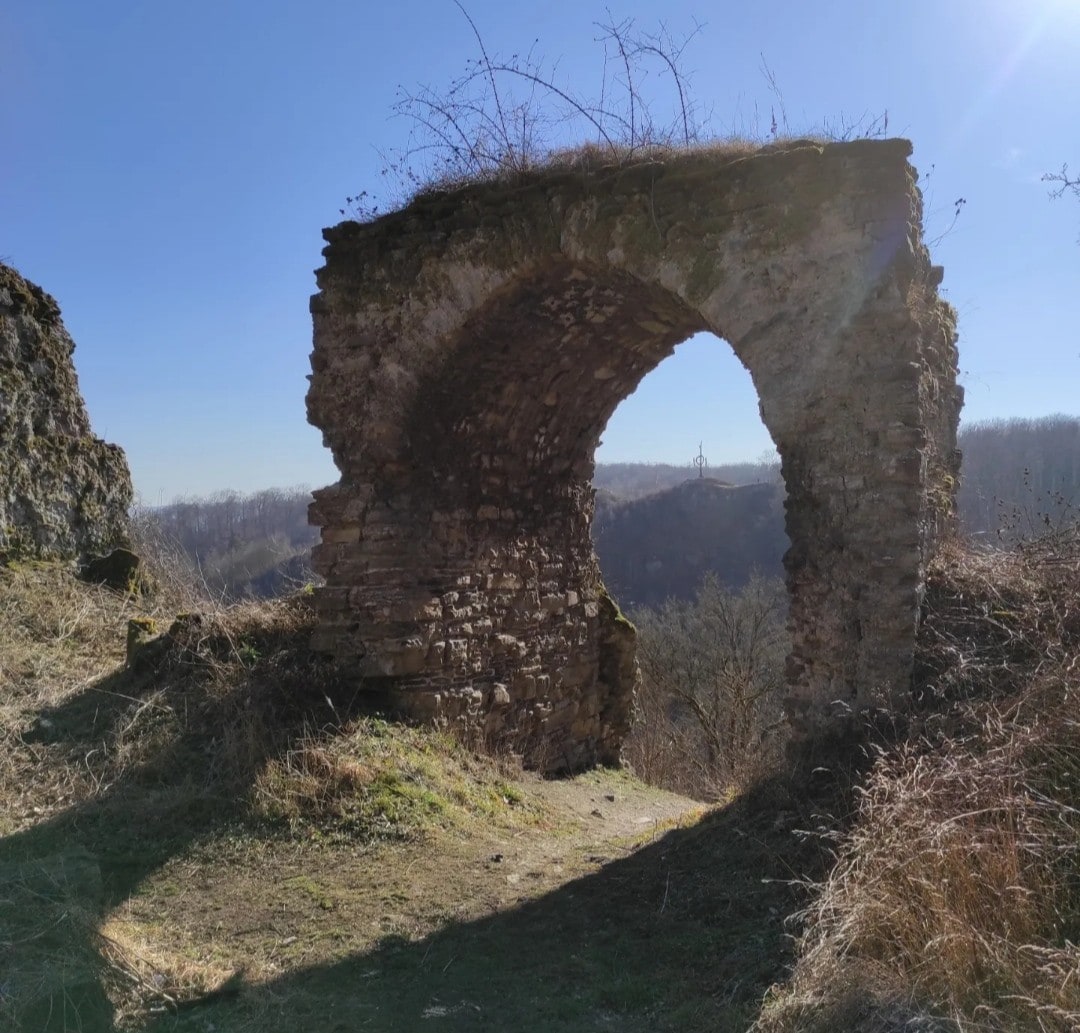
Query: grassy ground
column 218, row 837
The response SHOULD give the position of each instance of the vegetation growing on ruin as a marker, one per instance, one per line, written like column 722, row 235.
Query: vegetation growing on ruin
column 510, row 120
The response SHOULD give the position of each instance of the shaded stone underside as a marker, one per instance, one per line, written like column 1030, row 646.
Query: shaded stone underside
column 470, row 349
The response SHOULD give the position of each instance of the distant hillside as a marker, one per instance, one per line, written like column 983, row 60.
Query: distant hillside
column 658, row 528
column 633, row 480
column 1019, row 477
column 660, row 546
column 239, row 546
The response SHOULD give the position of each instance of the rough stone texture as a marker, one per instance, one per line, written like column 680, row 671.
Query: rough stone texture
column 121, row 570
column 470, row 349
column 63, row 493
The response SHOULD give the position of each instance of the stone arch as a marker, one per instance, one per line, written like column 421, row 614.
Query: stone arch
column 469, row 350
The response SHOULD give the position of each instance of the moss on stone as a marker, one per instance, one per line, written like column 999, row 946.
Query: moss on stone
column 28, row 298
column 609, row 611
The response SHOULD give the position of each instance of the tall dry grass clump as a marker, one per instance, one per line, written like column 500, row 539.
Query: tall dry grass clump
column 954, row 903
column 205, row 700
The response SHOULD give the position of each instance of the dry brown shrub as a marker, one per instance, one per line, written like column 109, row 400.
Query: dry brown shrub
column 992, row 619
column 178, row 584
column 957, row 887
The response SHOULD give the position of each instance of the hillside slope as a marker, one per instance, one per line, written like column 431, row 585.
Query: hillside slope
column 219, row 836
column 661, row 545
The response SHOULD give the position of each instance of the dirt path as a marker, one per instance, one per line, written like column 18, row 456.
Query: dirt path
column 270, row 910
column 613, row 906
column 604, row 816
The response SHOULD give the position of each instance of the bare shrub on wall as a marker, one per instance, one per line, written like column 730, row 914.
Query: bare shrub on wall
column 713, row 683
column 504, row 116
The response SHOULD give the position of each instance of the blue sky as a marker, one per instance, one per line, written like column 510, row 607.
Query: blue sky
column 167, row 168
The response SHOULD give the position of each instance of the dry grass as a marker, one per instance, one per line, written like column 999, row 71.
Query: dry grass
column 75, row 723
column 579, row 161
column 57, row 636
column 994, row 619
column 225, row 721
column 56, row 631
column 955, row 898
column 145, row 977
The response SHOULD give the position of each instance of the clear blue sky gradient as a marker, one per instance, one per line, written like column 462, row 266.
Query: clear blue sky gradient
column 166, row 170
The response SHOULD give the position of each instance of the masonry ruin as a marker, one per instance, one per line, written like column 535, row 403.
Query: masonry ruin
column 64, row 493
column 470, row 348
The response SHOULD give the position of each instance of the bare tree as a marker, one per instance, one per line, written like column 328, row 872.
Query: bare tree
column 718, row 663
column 256, row 544
column 1064, row 183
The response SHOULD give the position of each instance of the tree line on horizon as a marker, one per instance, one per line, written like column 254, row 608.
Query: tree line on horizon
column 1019, row 476
column 253, row 545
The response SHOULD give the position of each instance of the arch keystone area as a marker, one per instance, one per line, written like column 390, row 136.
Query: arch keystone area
column 470, row 348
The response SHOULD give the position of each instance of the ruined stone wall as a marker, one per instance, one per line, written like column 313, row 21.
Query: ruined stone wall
column 470, row 349
column 63, row 492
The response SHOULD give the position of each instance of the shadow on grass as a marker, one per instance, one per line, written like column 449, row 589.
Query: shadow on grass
column 202, row 741
column 685, row 934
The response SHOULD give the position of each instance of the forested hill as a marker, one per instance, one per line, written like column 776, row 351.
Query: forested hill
column 660, row 546
column 1020, row 475
column 240, row 546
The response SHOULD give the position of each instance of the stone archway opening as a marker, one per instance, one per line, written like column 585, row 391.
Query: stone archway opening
column 701, row 394
column 665, row 516
column 690, row 547
column 470, row 349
